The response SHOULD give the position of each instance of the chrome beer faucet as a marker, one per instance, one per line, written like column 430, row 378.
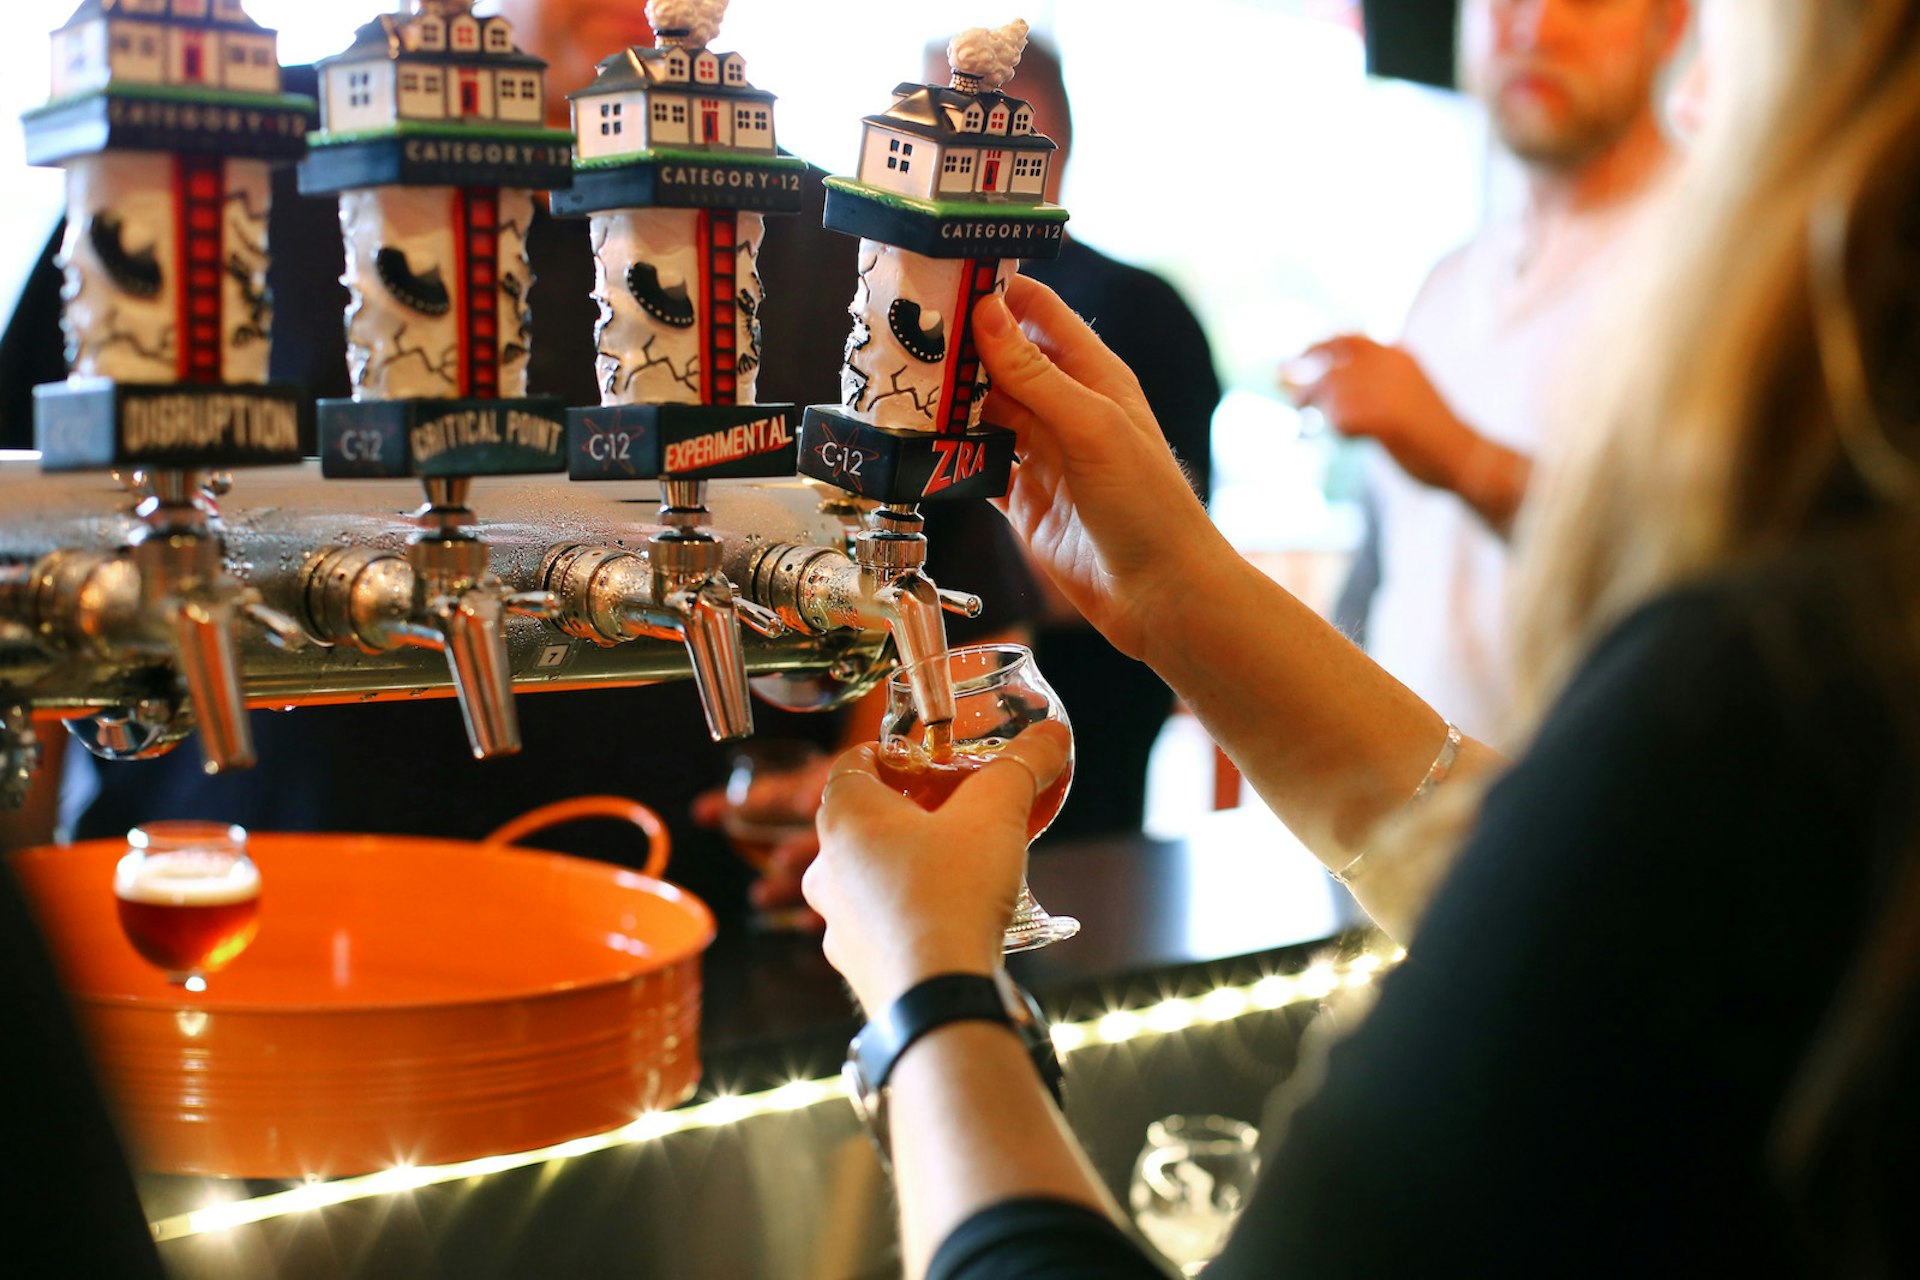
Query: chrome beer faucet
column 168, row 596
column 883, row 585
column 441, row 596
column 679, row 592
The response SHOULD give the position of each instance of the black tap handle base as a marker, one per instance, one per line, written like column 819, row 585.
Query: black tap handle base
column 99, row 424
column 681, row 441
column 429, row 439
column 895, row 466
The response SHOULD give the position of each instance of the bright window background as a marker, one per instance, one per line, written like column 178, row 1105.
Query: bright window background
column 1242, row 152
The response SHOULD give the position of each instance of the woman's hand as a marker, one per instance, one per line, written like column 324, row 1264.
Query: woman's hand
column 1097, row 495
column 908, row 893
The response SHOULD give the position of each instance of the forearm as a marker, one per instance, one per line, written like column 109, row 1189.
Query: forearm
column 972, row 1125
column 1331, row 742
column 1492, row 479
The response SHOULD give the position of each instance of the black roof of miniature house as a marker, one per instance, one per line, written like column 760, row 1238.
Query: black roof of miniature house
column 92, row 9
column 381, row 39
column 625, row 72
column 922, row 109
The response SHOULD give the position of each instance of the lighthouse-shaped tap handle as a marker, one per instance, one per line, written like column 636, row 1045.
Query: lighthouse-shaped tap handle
column 433, row 132
column 677, row 166
column 949, row 193
column 166, row 116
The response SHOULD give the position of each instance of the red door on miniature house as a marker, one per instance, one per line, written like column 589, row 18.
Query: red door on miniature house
column 990, row 170
column 193, row 57
column 469, row 92
column 709, row 120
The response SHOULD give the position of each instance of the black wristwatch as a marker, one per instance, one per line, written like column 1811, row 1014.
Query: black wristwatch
column 949, row 997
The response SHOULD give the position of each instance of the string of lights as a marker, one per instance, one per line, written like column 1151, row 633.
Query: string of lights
column 1117, row 1026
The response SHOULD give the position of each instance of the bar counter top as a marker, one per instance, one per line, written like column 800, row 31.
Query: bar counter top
column 767, row 1173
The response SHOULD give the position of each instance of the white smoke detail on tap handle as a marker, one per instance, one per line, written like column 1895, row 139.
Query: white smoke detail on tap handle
column 989, row 56
column 700, row 19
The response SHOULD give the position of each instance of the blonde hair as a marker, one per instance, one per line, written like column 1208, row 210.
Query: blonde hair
column 1768, row 404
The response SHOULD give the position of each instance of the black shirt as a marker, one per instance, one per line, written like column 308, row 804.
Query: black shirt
column 1579, row 1065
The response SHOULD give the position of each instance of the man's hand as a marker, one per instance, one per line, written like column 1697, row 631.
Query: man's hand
column 1376, row 392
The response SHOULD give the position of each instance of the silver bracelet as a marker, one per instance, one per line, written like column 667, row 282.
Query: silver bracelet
column 1436, row 774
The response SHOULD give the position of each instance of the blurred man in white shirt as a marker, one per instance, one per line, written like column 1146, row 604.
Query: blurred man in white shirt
column 1461, row 406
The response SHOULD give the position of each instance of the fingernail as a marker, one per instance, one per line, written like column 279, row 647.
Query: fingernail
column 991, row 317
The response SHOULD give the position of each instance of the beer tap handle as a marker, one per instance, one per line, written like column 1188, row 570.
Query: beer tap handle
column 757, row 617
column 200, row 627
column 963, row 603
column 476, row 648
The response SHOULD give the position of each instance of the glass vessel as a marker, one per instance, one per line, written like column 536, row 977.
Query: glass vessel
column 997, row 692
column 188, row 897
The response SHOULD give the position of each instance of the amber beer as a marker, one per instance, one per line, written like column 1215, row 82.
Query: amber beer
column 188, row 912
column 927, row 775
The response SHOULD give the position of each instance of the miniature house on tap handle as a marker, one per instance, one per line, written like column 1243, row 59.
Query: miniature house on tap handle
column 948, row 194
column 677, row 166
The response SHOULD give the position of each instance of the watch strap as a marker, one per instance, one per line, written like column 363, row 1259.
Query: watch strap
column 924, row 1007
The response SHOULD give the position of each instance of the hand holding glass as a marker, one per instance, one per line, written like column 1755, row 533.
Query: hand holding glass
column 997, row 692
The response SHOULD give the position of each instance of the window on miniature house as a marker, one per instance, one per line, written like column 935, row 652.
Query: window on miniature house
column 997, row 121
column 261, row 58
column 410, row 82
column 146, row 46
column 429, row 29
column 893, row 145
column 677, row 66
column 735, row 74
column 659, row 113
column 430, row 82
column 498, row 41
column 616, row 108
column 529, row 87
column 906, row 149
column 465, row 36
column 236, row 55
column 679, row 113
column 760, row 121
column 950, row 165
column 1023, row 121
column 509, row 87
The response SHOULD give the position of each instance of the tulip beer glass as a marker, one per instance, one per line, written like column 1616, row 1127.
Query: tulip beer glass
column 189, row 897
column 997, row 692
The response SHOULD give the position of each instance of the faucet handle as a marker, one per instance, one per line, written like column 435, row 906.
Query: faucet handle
column 757, row 617
column 200, row 627
column 964, row 603
column 282, row 631
column 533, row 604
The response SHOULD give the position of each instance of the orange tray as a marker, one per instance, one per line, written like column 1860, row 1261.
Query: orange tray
column 405, row 1001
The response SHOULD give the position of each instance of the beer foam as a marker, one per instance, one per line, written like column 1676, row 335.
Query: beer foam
column 188, row 879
